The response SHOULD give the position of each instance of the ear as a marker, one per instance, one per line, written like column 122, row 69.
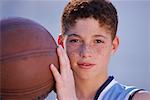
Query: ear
column 115, row 44
column 60, row 41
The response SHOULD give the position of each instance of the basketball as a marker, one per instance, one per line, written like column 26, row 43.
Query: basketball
column 27, row 50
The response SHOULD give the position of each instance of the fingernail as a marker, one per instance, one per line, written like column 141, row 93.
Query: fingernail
column 50, row 65
column 60, row 47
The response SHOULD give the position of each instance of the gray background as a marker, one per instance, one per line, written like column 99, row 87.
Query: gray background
column 131, row 64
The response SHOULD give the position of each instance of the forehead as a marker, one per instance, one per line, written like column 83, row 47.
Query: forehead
column 88, row 27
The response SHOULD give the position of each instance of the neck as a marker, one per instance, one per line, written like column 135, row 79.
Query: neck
column 86, row 88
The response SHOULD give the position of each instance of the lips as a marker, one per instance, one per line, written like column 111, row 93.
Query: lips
column 86, row 65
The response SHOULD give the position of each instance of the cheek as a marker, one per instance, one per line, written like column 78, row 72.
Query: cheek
column 72, row 54
column 101, row 51
column 97, row 50
column 72, row 49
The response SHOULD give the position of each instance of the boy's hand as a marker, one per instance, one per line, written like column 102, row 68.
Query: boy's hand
column 65, row 85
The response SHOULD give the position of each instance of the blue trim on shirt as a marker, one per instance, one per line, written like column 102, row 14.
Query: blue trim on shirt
column 102, row 87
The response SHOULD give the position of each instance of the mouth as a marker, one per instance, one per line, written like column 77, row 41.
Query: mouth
column 86, row 65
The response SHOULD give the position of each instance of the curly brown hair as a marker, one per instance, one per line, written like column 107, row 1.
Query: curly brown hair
column 101, row 10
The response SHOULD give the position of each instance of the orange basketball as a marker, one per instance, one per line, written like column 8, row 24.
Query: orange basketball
column 27, row 50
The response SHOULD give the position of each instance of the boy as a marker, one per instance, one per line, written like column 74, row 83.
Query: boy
column 89, row 38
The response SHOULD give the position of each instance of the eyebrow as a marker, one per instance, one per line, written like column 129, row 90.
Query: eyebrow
column 100, row 36
column 94, row 36
column 73, row 35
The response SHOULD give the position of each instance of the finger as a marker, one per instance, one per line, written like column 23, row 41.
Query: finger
column 64, row 43
column 63, row 50
column 55, row 73
column 63, row 58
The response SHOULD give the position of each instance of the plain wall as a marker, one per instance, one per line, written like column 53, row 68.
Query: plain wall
column 131, row 64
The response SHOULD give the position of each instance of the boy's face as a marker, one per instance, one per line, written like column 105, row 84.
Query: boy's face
column 89, row 48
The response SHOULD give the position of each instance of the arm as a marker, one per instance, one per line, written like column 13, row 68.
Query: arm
column 65, row 86
column 142, row 95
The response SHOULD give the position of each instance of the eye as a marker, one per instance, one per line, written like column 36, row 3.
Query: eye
column 74, row 41
column 98, row 41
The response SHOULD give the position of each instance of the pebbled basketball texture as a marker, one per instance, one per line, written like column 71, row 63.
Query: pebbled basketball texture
column 27, row 50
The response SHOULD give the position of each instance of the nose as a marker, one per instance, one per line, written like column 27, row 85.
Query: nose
column 85, row 51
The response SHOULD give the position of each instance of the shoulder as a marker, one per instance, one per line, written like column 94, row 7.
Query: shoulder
column 142, row 95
